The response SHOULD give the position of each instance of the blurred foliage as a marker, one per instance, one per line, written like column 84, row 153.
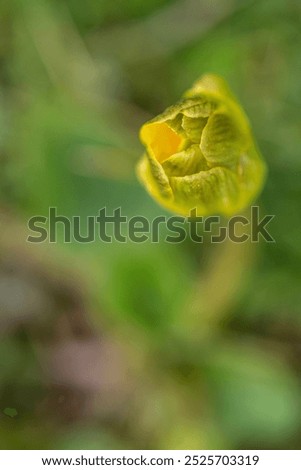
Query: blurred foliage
column 149, row 345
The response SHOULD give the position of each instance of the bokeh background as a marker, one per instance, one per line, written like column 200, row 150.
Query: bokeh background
column 144, row 346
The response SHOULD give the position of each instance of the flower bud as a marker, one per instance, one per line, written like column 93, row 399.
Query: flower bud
column 200, row 153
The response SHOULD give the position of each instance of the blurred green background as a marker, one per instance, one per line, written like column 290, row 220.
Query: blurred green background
column 144, row 346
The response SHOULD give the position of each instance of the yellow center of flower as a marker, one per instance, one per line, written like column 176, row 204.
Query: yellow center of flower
column 161, row 140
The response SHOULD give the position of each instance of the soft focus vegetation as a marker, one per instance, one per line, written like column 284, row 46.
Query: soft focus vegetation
column 106, row 346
